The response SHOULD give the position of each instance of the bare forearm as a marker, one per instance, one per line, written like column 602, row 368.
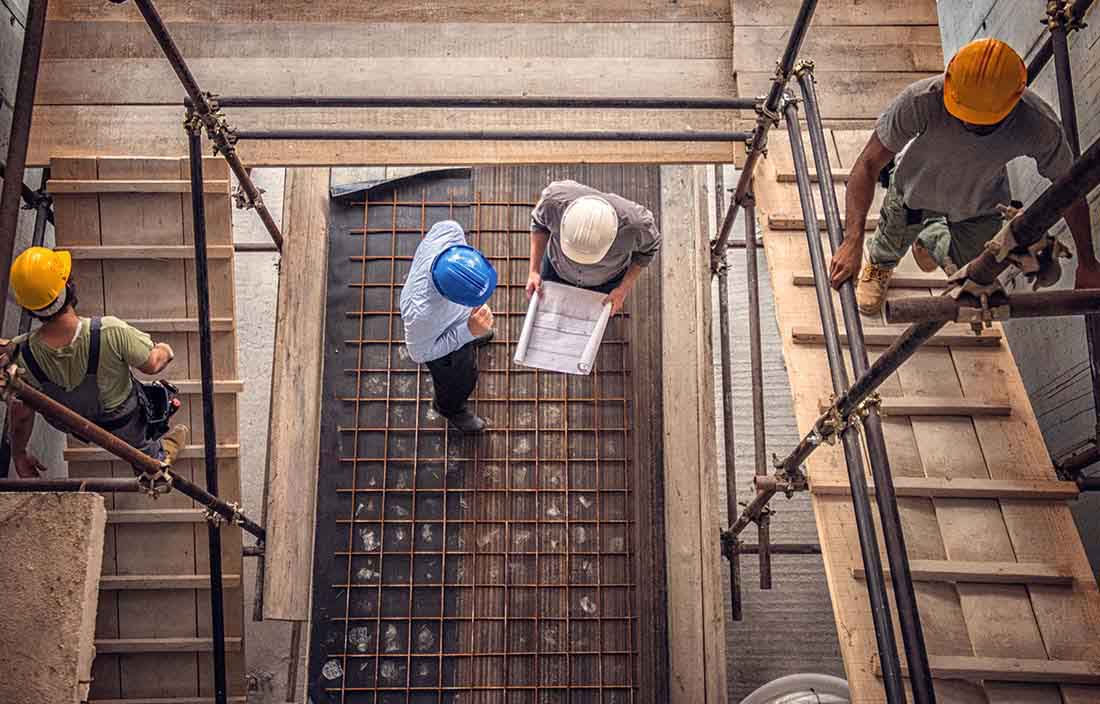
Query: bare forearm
column 631, row 276
column 538, row 249
column 857, row 200
column 1080, row 225
column 159, row 357
column 20, row 426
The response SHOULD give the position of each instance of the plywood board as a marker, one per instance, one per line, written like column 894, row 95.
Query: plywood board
column 842, row 95
column 837, row 12
column 885, row 48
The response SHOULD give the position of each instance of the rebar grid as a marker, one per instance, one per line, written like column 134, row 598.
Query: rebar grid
column 500, row 566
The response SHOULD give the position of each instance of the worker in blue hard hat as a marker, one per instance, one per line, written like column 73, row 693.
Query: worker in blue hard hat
column 446, row 318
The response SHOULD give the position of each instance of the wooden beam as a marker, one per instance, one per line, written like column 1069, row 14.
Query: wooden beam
column 934, row 406
column 162, row 645
column 954, row 335
column 194, row 386
column 120, row 186
column 898, row 280
column 169, row 700
column 786, row 222
column 155, row 515
column 925, row 487
column 983, row 572
column 961, row 667
column 696, row 609
column 214, row 251
column 789, row 177
column 164, row 581
column 294, row 435
column 179, row 324
column 189, row 452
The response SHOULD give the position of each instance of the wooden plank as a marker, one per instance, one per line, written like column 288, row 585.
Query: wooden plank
column 696, row 613
column 165, row 581
column 189, row 452
column 1011, row 669
column 213, row 251
column 123, row 186
column 169, row 700
column 160, row 515
column 294, row 435
column 934, row 406
column 838, row 12
column 100, row 39
column 194, row 386
column 1009, row 490
column 332, row 11
column 164, row 645
column 957, row 335
column 80, row 131
column 843, row 95
column 786, row 222
column 845, row 48
column 179, row 324
column 984, row 572
column 898, row 280
column 789, row 177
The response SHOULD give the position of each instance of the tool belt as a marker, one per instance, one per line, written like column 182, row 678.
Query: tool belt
column 157, row 403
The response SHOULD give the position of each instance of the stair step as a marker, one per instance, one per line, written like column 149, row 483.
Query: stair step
column 156, row 515
column 189, row 452
column 972, row 572
column 934, row 406
column 953, row 335
column 163, row 581
column 796, row 223
column 896, row 281
column 940, row 488
column 163, row 645
column 965, row 667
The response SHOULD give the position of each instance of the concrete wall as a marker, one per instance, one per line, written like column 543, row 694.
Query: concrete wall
column 1052, row 354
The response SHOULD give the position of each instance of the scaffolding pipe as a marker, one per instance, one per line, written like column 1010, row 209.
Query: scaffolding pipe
column 849, row 436
column 22, row 113
column 1038, row 62
column 782, row 549
column 102, row 486
column 208, row 112
column 82, row 427
column 889, row 517
column 1073, row 465
column 967, row 308
column 32, row 199
column 767, row 117
column 727, row 405
column 500, row 102
column 756, row 371
column 492, row 135
column 210, row 437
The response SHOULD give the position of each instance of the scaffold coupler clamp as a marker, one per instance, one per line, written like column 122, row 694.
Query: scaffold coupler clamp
column 789, row 480
column 731, row 545
column 156, row 484
column 985, row 313
column 803, row 67
column 1060, row 16
column 218, row 520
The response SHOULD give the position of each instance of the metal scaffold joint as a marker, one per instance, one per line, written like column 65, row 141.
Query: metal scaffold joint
column 804, row 67
column 1060, row 16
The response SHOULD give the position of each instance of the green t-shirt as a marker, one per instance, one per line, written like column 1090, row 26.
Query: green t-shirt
column 121, row 346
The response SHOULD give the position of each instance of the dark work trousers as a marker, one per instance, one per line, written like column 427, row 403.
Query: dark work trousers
column 454, row 376
column 549, row 273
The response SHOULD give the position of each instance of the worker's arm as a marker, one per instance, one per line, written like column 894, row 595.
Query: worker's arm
column 1080, row 225
column 857, row 202
column 20, row 425
column 159, row 357
column 618, row 295
column 539, row 238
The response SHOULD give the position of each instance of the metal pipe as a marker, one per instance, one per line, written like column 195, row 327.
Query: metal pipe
column 102, row 486
column 967, row 308
column 727, row 404
column 861, row 502
column 1073, row 465
column 782, row 549
column 889, row 517
column 767, row 117
column 210, row 437
column 756, row 359
column 22, row 113
column 455, row 101
column 209, row 114
column 493, row 135
column 82, row 427
column 33, row 199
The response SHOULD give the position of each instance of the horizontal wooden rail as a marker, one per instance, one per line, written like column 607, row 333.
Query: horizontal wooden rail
column 938, row 488
column 898, row 280
column 789, row 177
column 163, row 581
column 784, row 222
column 155, row 515
column 179, row 324
column 953, row 335
column 983, row 572
column 965, row 667
column 189, row 452
column 70, row 186
column 194, row 386
column 166, row 251
column 162, row 645
column 934, row 406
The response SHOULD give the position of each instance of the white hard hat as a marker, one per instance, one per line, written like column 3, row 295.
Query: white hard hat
column 588, row 229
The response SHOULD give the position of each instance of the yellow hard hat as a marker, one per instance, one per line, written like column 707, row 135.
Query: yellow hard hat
column 38, row 277
column 984, row 81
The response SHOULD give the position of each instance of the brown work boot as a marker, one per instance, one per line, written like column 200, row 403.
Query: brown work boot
column 172, row 442
column 923, row 258
column 871, row 289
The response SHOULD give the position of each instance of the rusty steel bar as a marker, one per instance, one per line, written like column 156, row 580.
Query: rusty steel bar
column 84, row 428
column 207, row 111
column 456, row 101
column 967, row 308
column 22, row 113
column 101, row 486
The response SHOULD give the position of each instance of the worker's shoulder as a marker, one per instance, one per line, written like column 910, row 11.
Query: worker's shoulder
column 1035, row 112
column 109, row 323
column 923, row 90
column 566, row 189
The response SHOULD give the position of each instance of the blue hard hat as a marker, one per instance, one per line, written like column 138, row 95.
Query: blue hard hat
column 463, row 275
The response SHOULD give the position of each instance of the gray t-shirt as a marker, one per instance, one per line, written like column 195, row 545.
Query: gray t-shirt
column 947, row 169
column 637, row 241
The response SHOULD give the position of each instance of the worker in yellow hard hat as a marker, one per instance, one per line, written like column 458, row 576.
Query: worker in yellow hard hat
column 951, row 136
column 85, row 364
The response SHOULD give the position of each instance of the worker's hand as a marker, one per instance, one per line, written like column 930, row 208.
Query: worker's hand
column 1087, row 277
column 27, row 466
column 534, row 283
column 7, row 350
column 846, row 261
column 480, row 321
column 616, row 298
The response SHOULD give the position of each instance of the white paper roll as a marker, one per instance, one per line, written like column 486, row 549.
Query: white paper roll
column 593, row 346
column 525, row 335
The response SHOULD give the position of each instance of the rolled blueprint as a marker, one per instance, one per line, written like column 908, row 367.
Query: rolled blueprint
column 593, row 346
column 525, row 335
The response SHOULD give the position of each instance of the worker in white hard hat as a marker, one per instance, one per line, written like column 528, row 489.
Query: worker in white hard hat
column 593, row 240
